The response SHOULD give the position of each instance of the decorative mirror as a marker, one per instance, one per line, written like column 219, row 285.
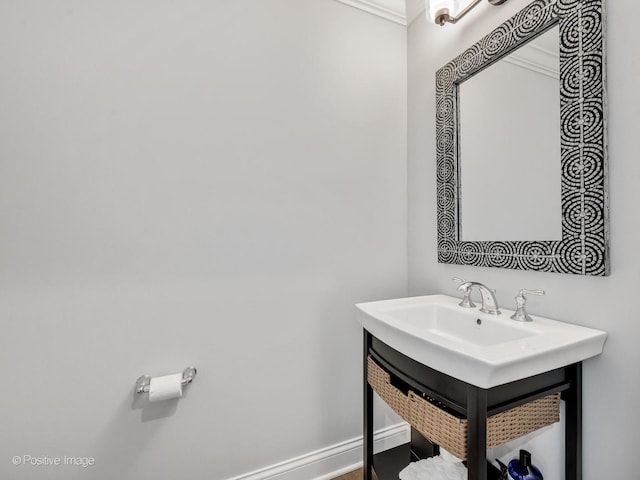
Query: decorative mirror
column 521, row 144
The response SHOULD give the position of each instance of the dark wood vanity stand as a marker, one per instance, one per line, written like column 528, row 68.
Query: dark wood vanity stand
column 471, row 402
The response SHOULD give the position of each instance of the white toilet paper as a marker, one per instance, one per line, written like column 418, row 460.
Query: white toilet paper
column 165, row 388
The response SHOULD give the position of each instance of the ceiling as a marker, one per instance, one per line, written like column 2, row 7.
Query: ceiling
column 398, row 11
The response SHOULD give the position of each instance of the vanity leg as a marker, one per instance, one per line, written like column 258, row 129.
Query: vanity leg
column 573, row 424
column 477, row 433
column 368, row 413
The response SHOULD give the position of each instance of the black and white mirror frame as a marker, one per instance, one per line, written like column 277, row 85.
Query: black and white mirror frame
column 583, row 248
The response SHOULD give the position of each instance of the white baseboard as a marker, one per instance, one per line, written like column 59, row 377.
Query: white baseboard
column 332, row 461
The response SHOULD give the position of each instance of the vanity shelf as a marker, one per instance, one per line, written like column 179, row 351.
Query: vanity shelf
column 467, row 403
column 388, row 464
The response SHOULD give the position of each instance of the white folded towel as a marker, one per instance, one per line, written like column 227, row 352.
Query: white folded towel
column 435, row 468
column 449, row 457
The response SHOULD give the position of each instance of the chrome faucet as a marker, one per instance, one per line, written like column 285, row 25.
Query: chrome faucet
column 521, row 314
column 489, row 302
column 466, row 291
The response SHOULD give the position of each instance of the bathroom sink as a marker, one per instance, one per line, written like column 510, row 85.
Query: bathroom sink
column 478, row 348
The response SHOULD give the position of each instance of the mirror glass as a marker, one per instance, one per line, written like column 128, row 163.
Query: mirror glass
column 509, row 146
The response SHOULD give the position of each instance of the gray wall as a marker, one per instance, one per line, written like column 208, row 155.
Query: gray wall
column 611, row 390
column 203, row 182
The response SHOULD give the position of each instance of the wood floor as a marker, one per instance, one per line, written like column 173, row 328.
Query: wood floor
column 357, row 475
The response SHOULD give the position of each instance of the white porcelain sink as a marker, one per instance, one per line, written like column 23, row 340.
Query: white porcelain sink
column 478, row 348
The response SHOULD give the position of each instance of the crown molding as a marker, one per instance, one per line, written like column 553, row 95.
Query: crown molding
column 381, row 8
column 413, row 9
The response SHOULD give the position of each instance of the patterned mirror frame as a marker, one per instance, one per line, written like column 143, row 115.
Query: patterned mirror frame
column 584, row 246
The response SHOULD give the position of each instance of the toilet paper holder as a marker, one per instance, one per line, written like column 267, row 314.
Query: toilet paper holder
column 143, row 382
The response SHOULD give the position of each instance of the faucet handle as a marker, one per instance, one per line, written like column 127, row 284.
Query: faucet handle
column 466, row 299
column 524, row 292
column 521, row 314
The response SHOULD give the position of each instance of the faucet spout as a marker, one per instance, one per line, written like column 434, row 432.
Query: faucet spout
column 489, row 302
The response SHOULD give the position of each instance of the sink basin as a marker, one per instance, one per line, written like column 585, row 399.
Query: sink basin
column 478, row 348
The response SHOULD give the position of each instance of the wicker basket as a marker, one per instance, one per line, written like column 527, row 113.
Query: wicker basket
column 380, row 381
column 449, row 431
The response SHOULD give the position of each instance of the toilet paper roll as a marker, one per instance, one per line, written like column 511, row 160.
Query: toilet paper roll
column 165, row 388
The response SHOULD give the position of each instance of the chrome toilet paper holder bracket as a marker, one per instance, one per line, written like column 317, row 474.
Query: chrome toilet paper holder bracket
column 143, row 382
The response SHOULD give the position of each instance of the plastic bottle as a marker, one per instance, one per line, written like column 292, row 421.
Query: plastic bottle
column 521, row 469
